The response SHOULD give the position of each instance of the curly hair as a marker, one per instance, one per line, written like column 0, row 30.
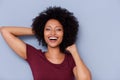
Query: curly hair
column 66, row 18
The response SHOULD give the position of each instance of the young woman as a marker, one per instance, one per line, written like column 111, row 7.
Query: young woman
column 55, row 28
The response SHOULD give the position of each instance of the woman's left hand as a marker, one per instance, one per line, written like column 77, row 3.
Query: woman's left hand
column 72, row 49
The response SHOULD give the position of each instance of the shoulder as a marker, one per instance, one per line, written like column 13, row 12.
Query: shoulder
column 68, row 53
column 70, row 59
column 31, row 48
column 69, row 56
column 32, row 51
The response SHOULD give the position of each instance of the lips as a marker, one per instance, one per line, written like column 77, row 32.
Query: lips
column 52, row 38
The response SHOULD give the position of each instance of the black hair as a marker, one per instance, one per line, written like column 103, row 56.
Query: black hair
column 66, row 18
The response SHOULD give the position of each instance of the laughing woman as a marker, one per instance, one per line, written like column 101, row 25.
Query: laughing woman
column 56, row 29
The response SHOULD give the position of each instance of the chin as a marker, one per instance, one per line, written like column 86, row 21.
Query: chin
column 53, row 46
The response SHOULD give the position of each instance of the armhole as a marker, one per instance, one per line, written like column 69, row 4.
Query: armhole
column 27, row 51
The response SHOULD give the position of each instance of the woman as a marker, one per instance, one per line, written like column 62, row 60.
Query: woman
column 55, row 28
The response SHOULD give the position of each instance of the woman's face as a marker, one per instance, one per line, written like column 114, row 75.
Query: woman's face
column 53, row 33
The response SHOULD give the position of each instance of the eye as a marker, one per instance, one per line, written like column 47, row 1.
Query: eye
column 59, row 29
column 47, row 29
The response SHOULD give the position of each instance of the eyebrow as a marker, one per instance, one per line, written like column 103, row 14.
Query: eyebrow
column 56, row 26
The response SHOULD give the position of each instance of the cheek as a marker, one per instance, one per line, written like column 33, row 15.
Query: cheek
column 45, row 33
column 45, row 36
column 61, row 35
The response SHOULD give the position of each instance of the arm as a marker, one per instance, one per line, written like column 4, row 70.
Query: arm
column 80, row 71
column 10, row 35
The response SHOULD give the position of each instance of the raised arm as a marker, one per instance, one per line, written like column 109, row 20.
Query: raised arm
column 81, row 72
column 10, row 35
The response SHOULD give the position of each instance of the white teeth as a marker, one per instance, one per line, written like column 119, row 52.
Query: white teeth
column 52, row 37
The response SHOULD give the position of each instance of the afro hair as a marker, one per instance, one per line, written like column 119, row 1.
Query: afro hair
column 66, row 18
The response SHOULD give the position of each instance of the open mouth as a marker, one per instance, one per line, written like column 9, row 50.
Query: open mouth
column 53, row 39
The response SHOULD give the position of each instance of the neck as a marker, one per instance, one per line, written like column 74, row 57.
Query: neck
column 54, row 55
column 54, row 52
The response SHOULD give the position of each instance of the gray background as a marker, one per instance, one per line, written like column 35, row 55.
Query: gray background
column 98, row 39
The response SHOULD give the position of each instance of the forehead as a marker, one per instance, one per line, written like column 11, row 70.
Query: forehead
column 53, row 22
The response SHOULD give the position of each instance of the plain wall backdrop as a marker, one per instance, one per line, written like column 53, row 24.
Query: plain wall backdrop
column 98, row 39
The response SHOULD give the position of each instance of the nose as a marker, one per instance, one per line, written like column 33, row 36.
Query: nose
column 53, row 32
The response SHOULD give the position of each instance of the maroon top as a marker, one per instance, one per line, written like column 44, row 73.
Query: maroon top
column 42, row 69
